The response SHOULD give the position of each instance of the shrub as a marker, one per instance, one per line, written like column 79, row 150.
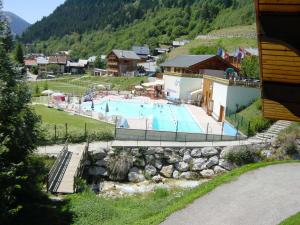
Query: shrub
column 289, row 144
column 119, row 166
column 242, row 155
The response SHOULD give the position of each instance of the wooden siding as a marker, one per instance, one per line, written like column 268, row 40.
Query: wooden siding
column 279, row 60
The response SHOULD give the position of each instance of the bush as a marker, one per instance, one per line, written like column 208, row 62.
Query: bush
column 242, row 155
column 119, row 166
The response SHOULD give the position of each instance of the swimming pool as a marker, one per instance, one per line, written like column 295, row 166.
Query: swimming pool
column 164, row 117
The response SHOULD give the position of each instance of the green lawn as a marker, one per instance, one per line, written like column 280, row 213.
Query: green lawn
column 293, row 220
column 253, row 115
column 78, row 85
column 153, row 208
column 96, row 130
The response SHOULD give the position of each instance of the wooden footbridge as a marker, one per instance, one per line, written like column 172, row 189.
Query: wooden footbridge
column 67, row 168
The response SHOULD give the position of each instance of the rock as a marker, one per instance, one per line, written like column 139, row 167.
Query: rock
column 183, row 151
column 159, row 156
column 225, row 151
column 197, row 164
column 212, row 162
column 150, row 159
column 100, row 163
column 209, row 151
column 167, row 171
column 157, row 179
column 87, row 163
column 138, row 162
column 174, row 159
column 136, row 177
column 168, row 152
column 159, row 150
column 150, row 151
column 266, row 154
column 182, row 166
column 187, row 157
column 135, row 152
column 99, row 154
column 207, row 173
column 176, row 174
column 97, row 171
column 189, row 176
column 226, row 164
column 196, row 153
column 150, row 171
column 158, row 164
column 219, row 170
column 298, row 141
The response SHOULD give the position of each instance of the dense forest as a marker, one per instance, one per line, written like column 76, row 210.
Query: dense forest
column 93, row 27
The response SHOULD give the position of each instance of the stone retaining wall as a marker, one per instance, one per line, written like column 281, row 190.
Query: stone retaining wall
column 157, row 163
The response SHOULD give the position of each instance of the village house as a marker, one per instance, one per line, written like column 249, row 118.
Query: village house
column 182, row 75
column 142, row 51
column 122, row 63
column 42, row 63
column 60, row 60
column 177, row 44
column 223, row 95
column 77, row 67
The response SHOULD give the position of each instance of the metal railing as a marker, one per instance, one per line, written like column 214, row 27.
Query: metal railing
column 57, row 171
column 80, row 168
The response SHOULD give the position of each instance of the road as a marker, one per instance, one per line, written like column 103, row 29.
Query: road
column 262, row 197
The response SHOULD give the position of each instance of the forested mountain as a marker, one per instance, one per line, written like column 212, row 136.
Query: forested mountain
column 17, row 24
column 96, row 26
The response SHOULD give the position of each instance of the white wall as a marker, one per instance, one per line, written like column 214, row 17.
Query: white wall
column 219, row 98
column 172, row 86
column 188, row 85
column 242, row 96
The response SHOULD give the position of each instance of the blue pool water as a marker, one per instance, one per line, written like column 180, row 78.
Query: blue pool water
column 165, row 117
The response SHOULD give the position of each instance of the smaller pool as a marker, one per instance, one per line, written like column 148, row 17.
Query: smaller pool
column 229, row 129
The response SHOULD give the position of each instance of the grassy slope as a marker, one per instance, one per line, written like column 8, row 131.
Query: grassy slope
column 153, row 208
column 230, row 44
column 79, row 85
column 293, row 220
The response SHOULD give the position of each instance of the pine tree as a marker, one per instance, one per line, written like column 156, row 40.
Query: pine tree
column 20, row 174
column 19, row 56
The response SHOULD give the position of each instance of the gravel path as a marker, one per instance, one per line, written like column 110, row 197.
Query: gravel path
column 262, row 197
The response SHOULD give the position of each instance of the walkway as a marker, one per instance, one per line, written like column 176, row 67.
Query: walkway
column 262, row 197
column 67, row 183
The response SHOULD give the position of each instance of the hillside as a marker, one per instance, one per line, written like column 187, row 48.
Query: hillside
column 17, row 24
column 227, row 38
column 96, row 26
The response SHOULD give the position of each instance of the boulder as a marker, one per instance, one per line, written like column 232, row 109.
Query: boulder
column 97, row 171
column 101, row 163
column 189, row 175
column 150, row 151
column 167, row 171
column 159, row 156
column 150, row 171
column 196, row 153
column 139, row 162
column 135, row 152
column 207, row 173
column 158, row 164
column 209, row 151
column 182, row 166
column 87, row 163
column 150, row 159
column 212, row 162
column 226, row 164
column 99, row 154
column 197, row 164
column 159, row 150
column 183, row 151
column 174, row 158
column 176, row 174
column 219, row 170
column 187, row 157
column 225, row 151
column 136, row 177
column 157, row 179
column 135, row 170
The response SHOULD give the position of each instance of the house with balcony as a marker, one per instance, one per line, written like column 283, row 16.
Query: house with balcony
column 60, row 60
column 183, row 75
column 122, row 63
column 223, row 94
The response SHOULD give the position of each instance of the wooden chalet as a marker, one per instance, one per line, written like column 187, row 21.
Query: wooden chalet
column 122, row 63
column 279, row 44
